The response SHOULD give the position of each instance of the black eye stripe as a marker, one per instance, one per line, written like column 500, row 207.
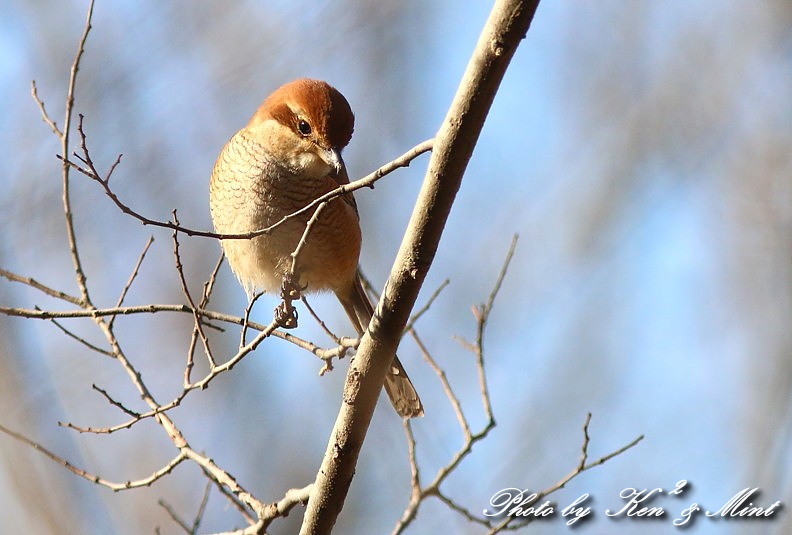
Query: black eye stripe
column 304, row 127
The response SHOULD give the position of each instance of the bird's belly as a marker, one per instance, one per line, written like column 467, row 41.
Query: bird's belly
column 327, row 261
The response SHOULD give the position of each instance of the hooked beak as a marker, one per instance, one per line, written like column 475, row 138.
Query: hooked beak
column 332, row 157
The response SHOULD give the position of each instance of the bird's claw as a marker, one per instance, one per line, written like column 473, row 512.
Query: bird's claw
column 285, row 313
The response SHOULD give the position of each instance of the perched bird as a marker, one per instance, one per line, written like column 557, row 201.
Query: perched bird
column 288, row 155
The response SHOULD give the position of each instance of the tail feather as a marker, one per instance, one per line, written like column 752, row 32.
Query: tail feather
column 398, row 386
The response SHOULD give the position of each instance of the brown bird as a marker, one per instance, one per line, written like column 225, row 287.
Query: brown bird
column 288, row 155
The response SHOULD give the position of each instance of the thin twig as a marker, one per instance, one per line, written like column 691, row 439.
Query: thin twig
column 67, row 211
column 484, row 317
column 586, row 439
column 464, row 511
column 174, row 516
column 365, row 182
column 246, row 322
column 418, row 494
column 421, row 311
column 44, row 115
column 236, row 502
column 415, row 471
column 144, row 482
column 82, row 340
column 295, row 255
column 449, row 392
column 100, row 312
column 158, row 410
column 345, row 343
column 223, row 478
column 201, row 509
column 209, row 284
column 207, row 292
column 132, row 277
column 318, row 320
column 115, row 403
column 579, row 469
column 328, row 357
column 33, row 283
column 274, row 510
column 324, row 354
column 186, row 292
column 230, row 363
column 189, row 529
column 291, row 289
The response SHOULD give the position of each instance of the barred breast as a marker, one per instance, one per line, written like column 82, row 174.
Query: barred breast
column 249, row 191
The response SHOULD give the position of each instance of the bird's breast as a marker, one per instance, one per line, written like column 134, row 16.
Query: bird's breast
column 250, row 190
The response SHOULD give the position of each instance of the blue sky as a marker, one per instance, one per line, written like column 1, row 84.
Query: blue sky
column 642, row 154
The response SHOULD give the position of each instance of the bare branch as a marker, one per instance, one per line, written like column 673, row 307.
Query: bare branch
column 245, row 323
column 339, row 351
column 421, row 311
column 236, row 502
column 207, row 292
column 295, row 255
column 275, row 510
column 584, row 447
column 319, row 321
column 209, row 285
column 341, row 348
column 454, row 143
column 186, row 292
column 189, row 529
column 449, row 392
column 253, row 529
column 78, row 269
column 144, row 482
column 82, row 340
column 223, row 478
column 418, row 494
column 174, row 516
column 483, row 317
column 581, row 467
column 157, row 410
column 201, row 509
column 282, row 507
column 40, row 287
column 215, row 473
column 115, row 403
column 132, row 277
column 365, row 182
column 44, row 116
column 464, row 511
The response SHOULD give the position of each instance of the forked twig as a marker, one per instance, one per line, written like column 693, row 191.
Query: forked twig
column 419, row 493
column 367, row 181
column 188, row 296
column 579, row 469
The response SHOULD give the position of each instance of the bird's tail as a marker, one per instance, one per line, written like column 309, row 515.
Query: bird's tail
column 398, row 386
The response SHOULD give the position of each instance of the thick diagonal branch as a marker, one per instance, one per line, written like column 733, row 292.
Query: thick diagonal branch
column 507, row 24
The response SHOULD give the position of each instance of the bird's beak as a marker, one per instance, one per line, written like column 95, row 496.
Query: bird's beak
column 332, row 157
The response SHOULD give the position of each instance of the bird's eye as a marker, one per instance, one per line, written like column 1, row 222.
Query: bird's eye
column 304, row 127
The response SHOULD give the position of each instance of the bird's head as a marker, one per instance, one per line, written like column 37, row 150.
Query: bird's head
column 305, row 124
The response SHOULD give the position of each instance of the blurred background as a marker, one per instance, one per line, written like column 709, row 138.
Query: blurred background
column 641, row 150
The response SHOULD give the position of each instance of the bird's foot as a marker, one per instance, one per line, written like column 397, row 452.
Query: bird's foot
column 285, row 313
